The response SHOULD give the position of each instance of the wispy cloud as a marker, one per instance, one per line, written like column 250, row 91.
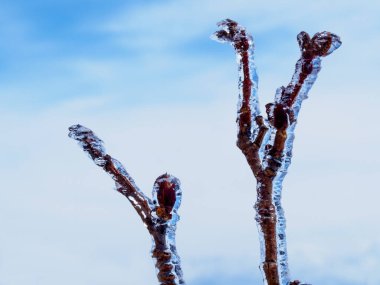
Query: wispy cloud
column 149, row 81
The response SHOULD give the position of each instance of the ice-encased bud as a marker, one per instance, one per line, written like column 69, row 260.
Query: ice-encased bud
column 167, row 195
column 321, row 44
column 324, row 43
column 303, row 39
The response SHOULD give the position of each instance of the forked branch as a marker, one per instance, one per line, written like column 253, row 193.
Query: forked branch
column 159, row 215
column 267, row 144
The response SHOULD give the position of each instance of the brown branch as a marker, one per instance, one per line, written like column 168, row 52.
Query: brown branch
column 320, row 45
column 249, row 119
column 160, row 215
column 125, row 185
column 281, row 115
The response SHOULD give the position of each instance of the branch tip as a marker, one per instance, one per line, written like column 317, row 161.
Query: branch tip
column 321, row 44
column 233, row 33
column 89, row 142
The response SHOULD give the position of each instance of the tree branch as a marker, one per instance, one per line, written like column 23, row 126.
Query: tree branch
column 160, row 215
column 251, row 126
column 277, row 149
column 91, row 144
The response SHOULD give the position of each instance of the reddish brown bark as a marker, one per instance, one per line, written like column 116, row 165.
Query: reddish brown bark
column 156, row 218
column 280, row 116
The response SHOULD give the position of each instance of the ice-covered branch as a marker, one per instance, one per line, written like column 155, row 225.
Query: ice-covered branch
column 308, row 66
column 282, row 115
column 159, row 215
column 91, row 144
column 251, row 126
column 267, row 144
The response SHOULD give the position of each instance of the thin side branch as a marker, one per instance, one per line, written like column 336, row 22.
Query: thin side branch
column 284, row 111
column 93, row 145
column 320, row 45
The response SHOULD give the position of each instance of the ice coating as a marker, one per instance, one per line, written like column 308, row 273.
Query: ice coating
column 242, row 42
column 335, row 43
column 159, row 216
column 89, row 142
column 282, row 255
column 130, row 182
column 267, row 143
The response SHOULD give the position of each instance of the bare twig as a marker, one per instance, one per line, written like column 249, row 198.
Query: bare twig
column 160, row 215
column 267, row 144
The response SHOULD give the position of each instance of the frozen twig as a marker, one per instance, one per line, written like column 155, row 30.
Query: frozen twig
column 267, row 144
column 251, row 126
column 159, row 215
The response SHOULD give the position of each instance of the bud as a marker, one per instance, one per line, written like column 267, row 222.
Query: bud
column 303, row 39
column 280, row 117
column 321, row 44
column 167, row 195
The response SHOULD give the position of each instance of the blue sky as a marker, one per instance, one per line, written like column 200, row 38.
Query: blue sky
column 145, row 76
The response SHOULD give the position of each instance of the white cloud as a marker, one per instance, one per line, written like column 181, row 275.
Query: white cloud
column 58, row 211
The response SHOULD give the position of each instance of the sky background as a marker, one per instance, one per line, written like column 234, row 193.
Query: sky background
column 145, row 76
